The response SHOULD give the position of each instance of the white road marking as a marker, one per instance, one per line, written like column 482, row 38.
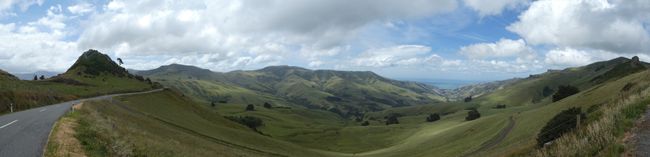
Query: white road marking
column 42, row 110
column 8, row 124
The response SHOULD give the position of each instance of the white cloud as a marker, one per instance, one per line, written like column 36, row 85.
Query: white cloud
column 494, row 7
column 500, row 49
column 81, row 8
column 22, row 4
column 28, row 51
column 619, row 26
column 289, row 29
column 568, row 57
column 393, row 56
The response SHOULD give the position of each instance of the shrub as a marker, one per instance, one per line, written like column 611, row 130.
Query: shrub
column 564, row 91
column 468, row 99
column 547, row 91
column 42, row 77
column 472, row 114
column 561, row 123
column 267, row 105
column 365, row 123
column 392, row 119
column 501, row 106
column 433, row 117
column 248, row 121
column 250, row 107
column 627, row 86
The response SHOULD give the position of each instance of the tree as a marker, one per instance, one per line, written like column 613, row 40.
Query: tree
column 250, row 107
column 42, row 77
column 213, row 104
column 433, row 117
column 365, row 123
column 561, row 123
column 267, row 105
column 472, row 114
column 547, row 91
column 468, row 99
column 392, row 119
column 148, row 81
column 35, row 77
column 249, row 121
column 119, row 60
column 564, row 91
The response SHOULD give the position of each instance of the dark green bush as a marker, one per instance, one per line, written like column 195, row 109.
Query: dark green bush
column 564, row 91
column 472, row 115
column 433, row 117
column 560, row 124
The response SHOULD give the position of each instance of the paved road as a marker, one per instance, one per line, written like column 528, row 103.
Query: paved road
column 642, row 137
column 25, row 133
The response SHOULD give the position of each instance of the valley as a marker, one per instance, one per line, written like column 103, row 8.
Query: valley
column 292, row 111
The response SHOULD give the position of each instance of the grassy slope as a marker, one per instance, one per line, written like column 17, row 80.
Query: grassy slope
column 170, row 108
column 309, row 88
column 451, row 136
column 29, row 94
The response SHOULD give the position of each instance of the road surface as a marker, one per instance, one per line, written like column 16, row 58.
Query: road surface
column 641, row 138
column 25, row 133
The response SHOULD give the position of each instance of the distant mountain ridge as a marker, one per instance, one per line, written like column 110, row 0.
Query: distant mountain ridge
column 347, row 91
column 30, row 76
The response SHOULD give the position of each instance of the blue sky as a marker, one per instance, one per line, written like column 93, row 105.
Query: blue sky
column 422, row 39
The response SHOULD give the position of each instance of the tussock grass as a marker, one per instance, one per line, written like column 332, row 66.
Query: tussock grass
column 600, row 137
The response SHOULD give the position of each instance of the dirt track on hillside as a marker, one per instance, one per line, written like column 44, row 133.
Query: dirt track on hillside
column 494, row 140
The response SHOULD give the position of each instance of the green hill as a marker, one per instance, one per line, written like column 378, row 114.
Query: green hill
column 93, row 74
column 290, row 128
column 6, row 76
column 92, row 62
column 345, row 91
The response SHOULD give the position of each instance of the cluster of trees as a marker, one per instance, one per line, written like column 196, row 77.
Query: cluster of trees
column 37, row 78
column 433, row 117
column 468, row 99
column 249, row 121
column 561, row 123
column 251, row 107
column 472, row 114
column 564, row 91
column 392, row 119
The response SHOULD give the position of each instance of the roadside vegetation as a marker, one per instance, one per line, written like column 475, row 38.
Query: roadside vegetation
column 602, row 136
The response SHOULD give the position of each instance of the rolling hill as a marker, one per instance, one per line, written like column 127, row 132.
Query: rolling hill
column 92, row 74
column 343, row 92
column 173, row 120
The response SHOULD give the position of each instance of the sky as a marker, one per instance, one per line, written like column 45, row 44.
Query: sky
column 415, row 39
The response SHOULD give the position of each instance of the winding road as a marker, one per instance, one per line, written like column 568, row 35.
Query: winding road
column 25, row 133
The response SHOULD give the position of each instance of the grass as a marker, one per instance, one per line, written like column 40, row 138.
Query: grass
column 172, row 124
column 600, row 137
column 29, row 94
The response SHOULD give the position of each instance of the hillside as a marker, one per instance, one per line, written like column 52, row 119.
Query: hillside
column 345, row 91
column 6, row 76
column 477, row 90
column 498, row 132
column 92, row 74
